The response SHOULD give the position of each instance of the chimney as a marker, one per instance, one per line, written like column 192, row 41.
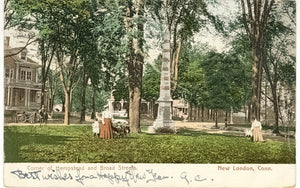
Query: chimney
column 6, row 41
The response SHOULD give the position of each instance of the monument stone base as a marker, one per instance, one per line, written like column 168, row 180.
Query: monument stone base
column 164, row 117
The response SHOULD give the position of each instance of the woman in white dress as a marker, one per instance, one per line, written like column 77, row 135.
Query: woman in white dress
column 256, row 131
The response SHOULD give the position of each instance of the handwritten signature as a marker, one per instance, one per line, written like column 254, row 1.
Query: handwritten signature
column 127, row 177
column 184, row 176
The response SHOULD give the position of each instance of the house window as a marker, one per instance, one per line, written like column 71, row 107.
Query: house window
column 9, row 72
column 23, row 55
column 23, row 74
column 26, row 75
column 6, row 72
column 29, row 76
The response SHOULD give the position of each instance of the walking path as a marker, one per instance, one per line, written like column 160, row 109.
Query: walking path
column 209, row 127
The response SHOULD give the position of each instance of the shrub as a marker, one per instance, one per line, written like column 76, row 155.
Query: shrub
column 165, row 129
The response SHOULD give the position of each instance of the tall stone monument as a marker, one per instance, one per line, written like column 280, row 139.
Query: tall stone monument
column 164, row 115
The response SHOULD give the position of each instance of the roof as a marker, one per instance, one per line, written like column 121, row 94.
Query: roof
column 16, row 58
column 9, row 50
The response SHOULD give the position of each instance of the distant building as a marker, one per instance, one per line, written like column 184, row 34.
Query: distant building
column 180, row 108
column 22, row 91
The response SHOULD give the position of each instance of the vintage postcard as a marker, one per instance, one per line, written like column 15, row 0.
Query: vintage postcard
column 148, row 93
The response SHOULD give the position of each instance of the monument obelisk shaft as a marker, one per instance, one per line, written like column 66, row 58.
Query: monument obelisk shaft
column 164, row 115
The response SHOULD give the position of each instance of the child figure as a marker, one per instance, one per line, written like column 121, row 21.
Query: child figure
column 95, row 127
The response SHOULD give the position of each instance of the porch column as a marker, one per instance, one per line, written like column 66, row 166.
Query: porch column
column 26, row 98
column 8, row 96
column 17, row 72
column 36, row 76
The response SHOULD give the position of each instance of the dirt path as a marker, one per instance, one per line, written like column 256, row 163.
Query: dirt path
column 209, row 127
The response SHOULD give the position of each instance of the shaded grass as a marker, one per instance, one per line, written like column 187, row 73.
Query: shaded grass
column 72, row 144
column 267, row 127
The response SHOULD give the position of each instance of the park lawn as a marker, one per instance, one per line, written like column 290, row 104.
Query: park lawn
column 75, row 144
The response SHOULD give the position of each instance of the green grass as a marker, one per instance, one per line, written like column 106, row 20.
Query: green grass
column 72, row 144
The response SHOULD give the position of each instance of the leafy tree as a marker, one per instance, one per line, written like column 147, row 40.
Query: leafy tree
column 120, row 90
column 280, row 61
column 255, row 19
column 151, row 81
column 225, row 85
column 191, row 84
column 72, row 27
column 107, row 66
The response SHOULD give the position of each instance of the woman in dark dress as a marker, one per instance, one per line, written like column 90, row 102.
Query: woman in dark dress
column 106, row 126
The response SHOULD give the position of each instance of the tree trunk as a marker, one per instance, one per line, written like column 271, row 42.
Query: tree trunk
column 202, row 113
column 93, row 115
column 245, row 110
column 199, row 113
column 256, row 82
column 83, row 91
column 226, row 114
column 231, row 115
column 189, row 112
column 67, row 81
column 135, row 61
column 216, row 114
column 174, row 64
column 249, row 112
column 276, row 111
column 47, row 52
column 208, row 114
column 63, row 109
column 43, row 95
column 273, row 85
column 67, row 109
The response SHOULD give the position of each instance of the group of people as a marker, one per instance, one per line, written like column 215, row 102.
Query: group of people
column 105, row 129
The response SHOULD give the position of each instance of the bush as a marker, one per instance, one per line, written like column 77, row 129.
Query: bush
column 165, row 129
column 177, row 118
column 58, row 115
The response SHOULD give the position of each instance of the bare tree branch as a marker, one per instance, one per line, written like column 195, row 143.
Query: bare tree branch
column 29, row 41
column 245, row 19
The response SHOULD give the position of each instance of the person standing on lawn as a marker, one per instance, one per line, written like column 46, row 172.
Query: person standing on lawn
column 256, row 131
column 106, row 125
column 95, row 127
